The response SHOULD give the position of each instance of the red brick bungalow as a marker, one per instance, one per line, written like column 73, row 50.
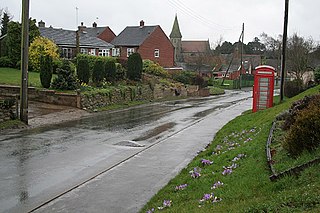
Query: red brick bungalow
column 92, row 40
column 149, row 41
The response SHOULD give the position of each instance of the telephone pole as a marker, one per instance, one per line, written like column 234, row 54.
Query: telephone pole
column 284, row 47
column 24, row 62
column 241, row 54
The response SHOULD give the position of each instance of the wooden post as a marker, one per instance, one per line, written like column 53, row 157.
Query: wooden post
column 284, row 47
column 24, row 62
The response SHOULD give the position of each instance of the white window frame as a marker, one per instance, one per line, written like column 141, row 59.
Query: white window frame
column 156, row 53
column 116, row 52
column 84, row 51
column 104, row 52
column 130, row 51
column 92, row 52
column 67, row 53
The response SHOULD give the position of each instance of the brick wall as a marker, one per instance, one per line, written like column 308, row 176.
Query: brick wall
column 158, row 40
column 107, row 35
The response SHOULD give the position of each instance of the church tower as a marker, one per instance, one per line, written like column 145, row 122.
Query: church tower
column 175, row 38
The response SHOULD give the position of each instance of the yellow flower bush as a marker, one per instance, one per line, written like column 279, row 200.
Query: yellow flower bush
column 41, row 46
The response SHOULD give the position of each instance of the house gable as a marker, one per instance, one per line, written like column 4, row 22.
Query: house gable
column 157, row 47
column 149, row 41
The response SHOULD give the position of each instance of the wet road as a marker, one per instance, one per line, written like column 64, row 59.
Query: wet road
column 97, row 158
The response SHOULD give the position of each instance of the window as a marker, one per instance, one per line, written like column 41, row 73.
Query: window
column 67, row 53
column 84, row 51
column 156, row 53
column 92, row 52
column 115, row 52
column 130, row 51
column 104, row 52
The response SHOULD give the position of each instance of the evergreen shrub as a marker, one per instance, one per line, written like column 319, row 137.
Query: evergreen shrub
column 98, row 73
column 110, row 70
column 83, row 70
column 45, row 70
column 134, row 67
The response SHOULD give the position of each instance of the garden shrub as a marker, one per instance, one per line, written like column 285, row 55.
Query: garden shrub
column 45, row 70
column 296, row 107
column 185, row 77
column 304, row 133
column 199, row 80
column 41, row 46
column 110, row 70
column 56, row 63
column 66, row 79
column 293, row 88
column 120, row 72
column 134, row 67
column 98, row 71
column 83, row 70
column 5, row 62
column 317, row 75
column 153, row 68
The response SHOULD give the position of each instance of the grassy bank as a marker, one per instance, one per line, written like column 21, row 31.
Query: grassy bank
column 238, row 159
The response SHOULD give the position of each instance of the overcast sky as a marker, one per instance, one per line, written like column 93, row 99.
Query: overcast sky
column 199, row 20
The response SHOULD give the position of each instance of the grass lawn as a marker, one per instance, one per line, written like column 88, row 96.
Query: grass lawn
column 240, row 145
column 9, row 76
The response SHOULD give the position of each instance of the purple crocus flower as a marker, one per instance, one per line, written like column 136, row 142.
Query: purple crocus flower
column 181, row 187
column 150, row 210
column 217, row 185
column 167, row 203
column 195, row 173
column 227, row 171
column 206, row 162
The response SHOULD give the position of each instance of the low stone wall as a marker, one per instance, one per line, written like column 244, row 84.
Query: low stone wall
column 46, row 96
column 8, row 109
column 118, row 96
column 93, row 101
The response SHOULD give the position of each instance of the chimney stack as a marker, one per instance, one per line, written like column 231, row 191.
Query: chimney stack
column 41, row 24
column 141, row 24
column 94, row 25
column 82, row 27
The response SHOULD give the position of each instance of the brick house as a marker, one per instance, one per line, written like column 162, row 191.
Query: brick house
column 149, row 41
column 90, row 40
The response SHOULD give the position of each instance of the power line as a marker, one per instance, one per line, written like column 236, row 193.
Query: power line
column 189, row 12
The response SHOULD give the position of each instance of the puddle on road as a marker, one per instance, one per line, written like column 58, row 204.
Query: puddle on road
column 129, row 144
column 211, row 110
column 156, row 131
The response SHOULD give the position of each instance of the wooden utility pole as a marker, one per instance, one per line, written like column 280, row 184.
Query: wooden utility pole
column 241, row 55
column 24, row 62
column 284, row 47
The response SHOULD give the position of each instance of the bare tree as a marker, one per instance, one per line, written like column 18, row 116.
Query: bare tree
column 299, row 58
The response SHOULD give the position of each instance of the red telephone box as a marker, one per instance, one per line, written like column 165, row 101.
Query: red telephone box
column 263, row 88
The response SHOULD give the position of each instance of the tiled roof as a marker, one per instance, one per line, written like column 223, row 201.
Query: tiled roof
column 95, row 31
column 195, row 46
column 63, row 37
column 133, row 36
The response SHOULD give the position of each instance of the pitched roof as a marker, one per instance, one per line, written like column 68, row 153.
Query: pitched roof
column 133, row 36
column 175, row 33
column 63, row 37
column 195, row 46
column 94, row 31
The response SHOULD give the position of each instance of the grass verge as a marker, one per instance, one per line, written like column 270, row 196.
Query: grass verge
column 246, row 185
column 216, row 91
column 11, row 124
